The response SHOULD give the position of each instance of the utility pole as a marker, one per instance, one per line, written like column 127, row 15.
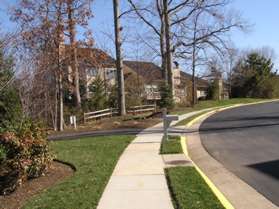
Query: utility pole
column 168, row 46
column 119, row 61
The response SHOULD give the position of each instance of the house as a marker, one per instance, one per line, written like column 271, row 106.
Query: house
column 153, row 78
column 95, row 62
column 202, row 85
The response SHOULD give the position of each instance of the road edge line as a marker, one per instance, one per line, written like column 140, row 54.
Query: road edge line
column 221, row 197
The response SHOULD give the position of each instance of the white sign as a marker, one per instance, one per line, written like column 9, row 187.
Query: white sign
column 73, row 121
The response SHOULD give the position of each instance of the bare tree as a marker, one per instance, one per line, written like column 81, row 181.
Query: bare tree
column 155, row 10
column 44, row 25
column 205, row 32
column 168, row 55
column 187, row 27
column 229, row 60
column 39, row 40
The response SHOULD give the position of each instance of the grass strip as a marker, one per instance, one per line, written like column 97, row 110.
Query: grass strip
column 171, row 146
column 187, row 120
column 95, row 159
column 214, row 103
column 189, row 190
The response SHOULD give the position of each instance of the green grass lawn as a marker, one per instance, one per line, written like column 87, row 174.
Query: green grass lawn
column 95, row 159
column 213, row 103
column 171, row 146
column 189, row 190
column 187, row 120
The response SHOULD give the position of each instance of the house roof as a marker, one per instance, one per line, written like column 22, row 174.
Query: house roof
column 148, row 70
column 202, row 83
column 92, row 56
column 95, row 57
column 152, row 72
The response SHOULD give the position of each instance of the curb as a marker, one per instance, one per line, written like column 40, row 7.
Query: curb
column 221, row 197
column 183, row 140
column 222, row 108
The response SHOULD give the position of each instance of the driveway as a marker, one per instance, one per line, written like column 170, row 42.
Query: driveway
column 246, row 141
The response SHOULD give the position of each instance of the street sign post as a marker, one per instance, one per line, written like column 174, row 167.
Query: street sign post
column 167, row 119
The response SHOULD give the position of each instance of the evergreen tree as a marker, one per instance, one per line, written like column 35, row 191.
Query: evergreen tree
column 166, row 97
column 251, row 77
column 98, row 99
column 10, row 106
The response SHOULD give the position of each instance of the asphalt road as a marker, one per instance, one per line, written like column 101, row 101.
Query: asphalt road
column 129, row 131
column 246, row 141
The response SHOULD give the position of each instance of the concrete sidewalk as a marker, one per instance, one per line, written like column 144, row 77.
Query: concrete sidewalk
column 138, row 180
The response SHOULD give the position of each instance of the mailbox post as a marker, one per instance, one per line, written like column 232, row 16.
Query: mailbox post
column 167, row 119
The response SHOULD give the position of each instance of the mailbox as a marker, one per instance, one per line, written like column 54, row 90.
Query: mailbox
column 167, row 119
column 171, row 117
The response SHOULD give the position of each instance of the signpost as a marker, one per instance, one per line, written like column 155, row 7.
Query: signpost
column 73, row 121
column 167, row 119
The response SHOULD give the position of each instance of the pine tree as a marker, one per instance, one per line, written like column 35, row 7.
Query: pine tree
column 98, row 99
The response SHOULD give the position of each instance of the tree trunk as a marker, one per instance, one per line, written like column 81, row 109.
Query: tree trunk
column 163, row 52
column 230, row 79
column 56, row 104
column 194, row 89
column 194, row 86
column 119, row 63
column 73, row 48
column 61, row 106
column 168, row 46
column 59, row 72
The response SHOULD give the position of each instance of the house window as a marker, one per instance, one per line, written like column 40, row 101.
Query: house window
column 110, row 73
column 151, row 88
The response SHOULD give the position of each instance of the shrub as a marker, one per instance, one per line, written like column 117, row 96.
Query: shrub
column 3, row 153
column 25, row 155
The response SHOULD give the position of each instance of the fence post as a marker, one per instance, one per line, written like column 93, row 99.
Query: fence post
column 75, row 121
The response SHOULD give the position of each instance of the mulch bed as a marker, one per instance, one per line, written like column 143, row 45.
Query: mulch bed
column 55, row 174
column 111, row 124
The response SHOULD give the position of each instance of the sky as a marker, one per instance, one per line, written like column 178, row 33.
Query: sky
column 262, row 15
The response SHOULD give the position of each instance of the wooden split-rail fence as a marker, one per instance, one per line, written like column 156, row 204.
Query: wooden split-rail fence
column 109, row 112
